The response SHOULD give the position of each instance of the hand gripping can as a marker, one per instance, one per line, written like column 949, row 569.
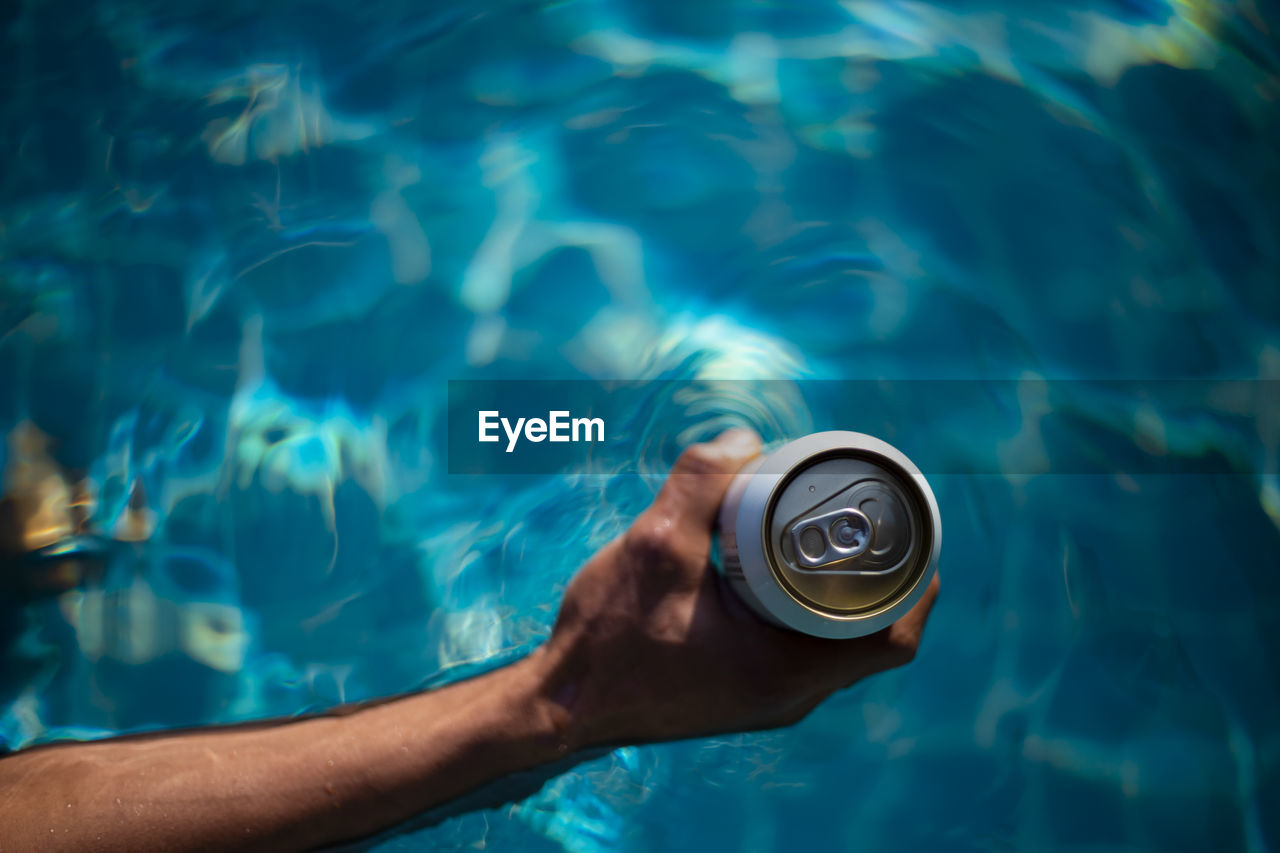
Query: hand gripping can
column 835, row 534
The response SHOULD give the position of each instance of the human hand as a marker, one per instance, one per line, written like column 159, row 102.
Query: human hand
column 651, row 644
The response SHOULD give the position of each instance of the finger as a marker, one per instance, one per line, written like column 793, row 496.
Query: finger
column 887, row 648
column 910, row 627
column 691, row 496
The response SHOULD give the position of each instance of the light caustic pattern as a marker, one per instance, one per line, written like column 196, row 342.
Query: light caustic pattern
column 243, row 247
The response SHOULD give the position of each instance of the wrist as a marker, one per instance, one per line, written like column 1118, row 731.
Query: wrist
column 583, row 706
column 554, row 694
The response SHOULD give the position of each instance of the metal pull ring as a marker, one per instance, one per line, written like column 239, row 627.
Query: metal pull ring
column 830, row 537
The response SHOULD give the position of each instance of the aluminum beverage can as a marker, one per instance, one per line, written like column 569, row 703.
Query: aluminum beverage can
column 836, row 534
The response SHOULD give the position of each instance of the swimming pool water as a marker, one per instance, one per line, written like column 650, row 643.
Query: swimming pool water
column 244, row 247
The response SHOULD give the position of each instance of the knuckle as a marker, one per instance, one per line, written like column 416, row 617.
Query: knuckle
column 651, row 538
column 700, row 459
column 905, row 647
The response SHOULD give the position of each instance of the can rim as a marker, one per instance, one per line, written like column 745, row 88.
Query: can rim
column 757, row 569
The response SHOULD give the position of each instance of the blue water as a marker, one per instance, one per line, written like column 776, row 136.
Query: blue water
column 243, row 246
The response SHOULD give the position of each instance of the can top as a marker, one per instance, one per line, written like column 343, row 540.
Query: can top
column 848, row 532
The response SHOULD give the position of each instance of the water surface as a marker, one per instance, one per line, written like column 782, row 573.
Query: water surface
column 244, row 246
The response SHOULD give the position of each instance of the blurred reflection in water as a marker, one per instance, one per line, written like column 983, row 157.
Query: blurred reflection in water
column 243, row 247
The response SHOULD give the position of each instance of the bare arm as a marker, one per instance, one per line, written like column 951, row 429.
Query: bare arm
column 648, row 646
column 284, row 786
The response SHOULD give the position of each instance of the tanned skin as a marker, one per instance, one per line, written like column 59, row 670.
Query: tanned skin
column 648, row 646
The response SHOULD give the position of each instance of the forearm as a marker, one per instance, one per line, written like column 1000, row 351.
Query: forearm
column 281, row 786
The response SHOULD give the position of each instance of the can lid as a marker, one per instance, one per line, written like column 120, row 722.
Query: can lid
column 848, row 532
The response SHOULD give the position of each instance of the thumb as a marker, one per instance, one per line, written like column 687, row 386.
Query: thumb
column 694, row 489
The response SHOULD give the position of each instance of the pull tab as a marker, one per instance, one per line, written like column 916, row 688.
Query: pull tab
column 830, row 537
